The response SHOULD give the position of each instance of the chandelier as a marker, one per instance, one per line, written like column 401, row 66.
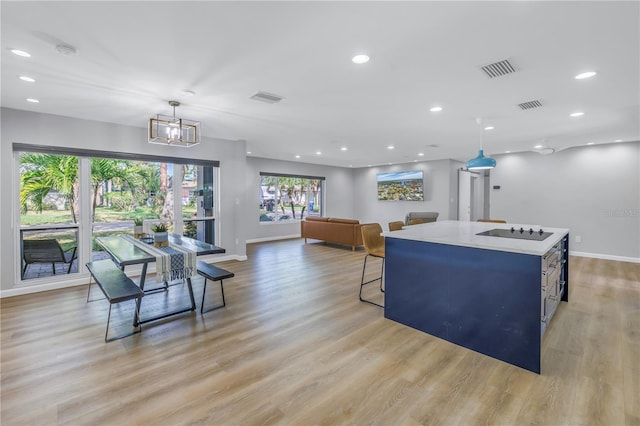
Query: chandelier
column 168, row 130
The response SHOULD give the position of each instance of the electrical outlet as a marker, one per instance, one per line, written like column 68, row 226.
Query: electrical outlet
column 578, row 239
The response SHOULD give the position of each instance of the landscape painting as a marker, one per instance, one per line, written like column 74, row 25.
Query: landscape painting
column 401, row 186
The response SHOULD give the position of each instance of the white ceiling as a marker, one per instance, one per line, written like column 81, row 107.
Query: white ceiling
column 133, row 57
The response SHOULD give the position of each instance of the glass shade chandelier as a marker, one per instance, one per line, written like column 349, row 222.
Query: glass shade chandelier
column 171, row 130
column 481, row 162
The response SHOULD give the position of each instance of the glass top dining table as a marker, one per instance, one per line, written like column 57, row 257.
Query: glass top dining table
column 124, row 253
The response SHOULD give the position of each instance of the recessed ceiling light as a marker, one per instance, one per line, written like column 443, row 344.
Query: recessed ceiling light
column 318, row 153
column 435, row 109
column 489, row 128
column 360, row 59
column 21, row 53
column 576, row 114
column 590, row 143
column 507, row 152
column 421, row 154
column 35, row 101
column 344, row 148
column 390, row 147
column 297, row 156
column 28, row 79
column 187, row 93
column 248, row 152
column 618, row 140
column 538, row 146
column 584, row 75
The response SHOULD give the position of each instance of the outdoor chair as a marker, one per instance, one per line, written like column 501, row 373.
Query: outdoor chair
column 46, row 251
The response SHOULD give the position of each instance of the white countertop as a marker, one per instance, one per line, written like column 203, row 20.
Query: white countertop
column 464, row 234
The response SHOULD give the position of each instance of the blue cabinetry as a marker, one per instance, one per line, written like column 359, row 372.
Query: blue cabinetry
column 490, row 301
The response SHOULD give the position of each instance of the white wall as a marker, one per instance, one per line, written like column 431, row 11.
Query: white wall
column 339, row 194
column 352, row 193
column 592, row 190
column 45, row 129
column 440, row 192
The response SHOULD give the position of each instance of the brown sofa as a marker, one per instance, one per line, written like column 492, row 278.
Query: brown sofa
column 332, row 230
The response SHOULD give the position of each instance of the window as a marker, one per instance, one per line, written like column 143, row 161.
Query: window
column 289, row 197
column 49, row 213
column 118, row 188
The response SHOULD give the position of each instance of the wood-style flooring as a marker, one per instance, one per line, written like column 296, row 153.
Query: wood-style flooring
column 295, row 346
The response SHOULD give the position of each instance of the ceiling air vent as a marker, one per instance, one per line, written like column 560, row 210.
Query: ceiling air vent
column 269, row 98
column 498, row 69
column 530, row 105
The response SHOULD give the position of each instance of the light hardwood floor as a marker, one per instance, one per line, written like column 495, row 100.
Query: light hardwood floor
column 295, row 346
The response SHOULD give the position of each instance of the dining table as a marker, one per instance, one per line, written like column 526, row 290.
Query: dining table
column 124, row 250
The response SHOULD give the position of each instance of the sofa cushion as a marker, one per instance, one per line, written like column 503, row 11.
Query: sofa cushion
column 348, row 221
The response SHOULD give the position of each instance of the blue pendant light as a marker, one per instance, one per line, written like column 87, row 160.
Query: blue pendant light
column 481, row 162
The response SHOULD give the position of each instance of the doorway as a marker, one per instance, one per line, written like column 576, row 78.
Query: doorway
column 471, row 195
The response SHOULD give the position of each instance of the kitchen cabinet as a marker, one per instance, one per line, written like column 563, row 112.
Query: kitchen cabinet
column 489, row 294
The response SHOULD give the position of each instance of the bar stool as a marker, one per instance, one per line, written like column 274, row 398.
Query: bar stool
column 374, row 245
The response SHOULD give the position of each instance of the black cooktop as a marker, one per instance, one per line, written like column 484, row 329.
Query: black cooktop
column 520, row 234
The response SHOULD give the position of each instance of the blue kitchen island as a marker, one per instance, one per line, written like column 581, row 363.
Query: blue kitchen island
column 492, row 294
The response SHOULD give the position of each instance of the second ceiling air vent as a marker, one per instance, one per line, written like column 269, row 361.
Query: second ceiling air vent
column 530, row 105
column 266, row 97
column 498, row 69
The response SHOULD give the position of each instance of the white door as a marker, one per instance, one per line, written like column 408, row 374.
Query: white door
column 477, row 196
column 464, row 195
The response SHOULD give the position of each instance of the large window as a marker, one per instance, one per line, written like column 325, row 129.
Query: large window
column 289, row 197
column 49, row 214
column 118, row 189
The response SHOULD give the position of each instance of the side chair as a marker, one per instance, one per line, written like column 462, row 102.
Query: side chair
column 414, row 218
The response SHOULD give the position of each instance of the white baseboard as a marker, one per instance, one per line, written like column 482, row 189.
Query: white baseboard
column 605, row 256
column 283, row 237
column 77, row 280
column 83, row 279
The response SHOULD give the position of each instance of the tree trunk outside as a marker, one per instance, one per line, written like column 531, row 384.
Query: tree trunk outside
column 167, row 207
column 75, row 206
column 166, row 188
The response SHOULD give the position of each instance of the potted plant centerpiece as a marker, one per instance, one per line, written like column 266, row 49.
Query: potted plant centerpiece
column 137, row 228
column 160, row 235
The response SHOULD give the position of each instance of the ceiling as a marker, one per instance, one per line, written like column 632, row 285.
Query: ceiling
column 133, row 57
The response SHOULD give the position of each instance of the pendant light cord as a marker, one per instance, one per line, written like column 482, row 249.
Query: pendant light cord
column 479, row 123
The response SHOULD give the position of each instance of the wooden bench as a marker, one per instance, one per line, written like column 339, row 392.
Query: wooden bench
column 212, row 273
column 116, row 287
